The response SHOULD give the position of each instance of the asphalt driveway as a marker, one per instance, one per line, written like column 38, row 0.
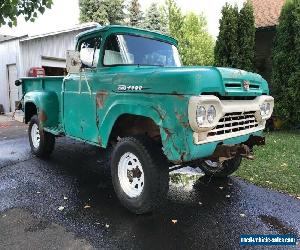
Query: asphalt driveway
column 68, row 202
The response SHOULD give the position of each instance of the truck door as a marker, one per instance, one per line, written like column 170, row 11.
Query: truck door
column 79, row 96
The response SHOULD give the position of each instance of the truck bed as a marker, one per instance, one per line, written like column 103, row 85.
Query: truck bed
column 49, row 83
column 51, row 88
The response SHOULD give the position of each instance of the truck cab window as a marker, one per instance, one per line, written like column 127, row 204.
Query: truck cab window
column 112, row 53
column 135, row 50
column 89, row 52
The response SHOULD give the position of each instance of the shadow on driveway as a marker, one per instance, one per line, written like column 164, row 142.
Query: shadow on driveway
column 202, row 214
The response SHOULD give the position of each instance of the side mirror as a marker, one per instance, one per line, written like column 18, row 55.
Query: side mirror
column 73, row 61
column 18, row 82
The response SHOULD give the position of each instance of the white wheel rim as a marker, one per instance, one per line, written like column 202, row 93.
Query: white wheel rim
column 131, row 175
column 213, row 164
column 35, row 135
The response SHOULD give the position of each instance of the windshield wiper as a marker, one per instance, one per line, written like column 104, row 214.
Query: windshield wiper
column 157, row 65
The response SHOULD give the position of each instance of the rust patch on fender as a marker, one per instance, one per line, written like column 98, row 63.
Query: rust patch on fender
column 179, row 116
column 160, row 113
column 183, row 156
column 97, row 120
column 100, row 98
column 175, row 147
column 179, row 96
column 42, row 116
column 168, row 132
column 180, row 119
column 185, row 124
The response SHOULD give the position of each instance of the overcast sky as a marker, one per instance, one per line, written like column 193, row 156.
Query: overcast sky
column 64, row 14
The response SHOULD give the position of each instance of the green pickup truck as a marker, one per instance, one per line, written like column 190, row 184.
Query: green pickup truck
column 127, row 90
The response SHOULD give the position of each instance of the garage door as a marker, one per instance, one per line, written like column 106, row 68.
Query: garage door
column 53, row 62
column 54, row 66
column 12, row 88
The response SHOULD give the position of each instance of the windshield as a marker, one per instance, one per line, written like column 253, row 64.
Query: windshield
column 135, row 50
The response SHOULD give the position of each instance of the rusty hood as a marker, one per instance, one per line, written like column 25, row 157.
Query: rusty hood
column 190, row 81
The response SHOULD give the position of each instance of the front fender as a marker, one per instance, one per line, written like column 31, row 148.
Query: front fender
column 47, row 106
column 169, row 113
column 121, row 107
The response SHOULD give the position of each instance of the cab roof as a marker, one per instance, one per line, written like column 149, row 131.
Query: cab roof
column 110, row 29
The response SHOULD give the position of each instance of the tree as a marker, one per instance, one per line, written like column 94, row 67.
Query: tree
column 286, row 63
column 102, row 11
column 236, row 40
column 11, row 9
column 194, row 43
column 154, row 19
column 226, row 49
column 246, row 37
column 164, row 21
column 115, row 11
column 196, row 46
column 135, row 14
column 93, row 11
column 175, row 18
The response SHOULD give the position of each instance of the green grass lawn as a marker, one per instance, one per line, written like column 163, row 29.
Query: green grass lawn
column 277, row 164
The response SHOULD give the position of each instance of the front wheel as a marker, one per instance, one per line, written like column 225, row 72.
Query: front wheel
column 41, row 142
column 221, row 170
column 140, row 174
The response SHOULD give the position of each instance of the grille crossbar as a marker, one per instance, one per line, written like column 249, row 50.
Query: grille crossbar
column 239, row 85
column 234, row 122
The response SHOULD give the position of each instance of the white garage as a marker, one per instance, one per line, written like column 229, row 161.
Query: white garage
column 19, row 54
column 9, row 65
column 13, row 90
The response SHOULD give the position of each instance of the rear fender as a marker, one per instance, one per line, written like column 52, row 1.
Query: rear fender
column 47, row 106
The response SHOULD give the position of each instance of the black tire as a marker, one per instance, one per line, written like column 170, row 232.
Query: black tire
column 224, row 170
column 47, row 140
column 155, row 173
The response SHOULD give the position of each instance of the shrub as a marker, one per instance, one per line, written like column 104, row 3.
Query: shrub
column 286, row 64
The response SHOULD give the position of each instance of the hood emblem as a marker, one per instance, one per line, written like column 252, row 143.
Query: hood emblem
column 246, row 85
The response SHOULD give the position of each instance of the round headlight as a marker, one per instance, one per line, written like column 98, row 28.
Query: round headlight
column 200, row 115
column 263, row 109
column 211, row 114
column 268, row 109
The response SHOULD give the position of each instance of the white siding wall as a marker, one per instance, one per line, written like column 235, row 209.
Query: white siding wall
column 33, row 50
column 28, row 53
column 8, row 55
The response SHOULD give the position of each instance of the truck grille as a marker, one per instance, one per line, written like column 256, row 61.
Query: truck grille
column 234, row 122
column 240, row 85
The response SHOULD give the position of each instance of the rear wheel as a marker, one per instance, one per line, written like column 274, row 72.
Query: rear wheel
column 221, row 170
column 41, row 142
column 140, row 174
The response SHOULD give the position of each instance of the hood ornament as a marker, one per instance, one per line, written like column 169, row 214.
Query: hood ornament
column 246, row 85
